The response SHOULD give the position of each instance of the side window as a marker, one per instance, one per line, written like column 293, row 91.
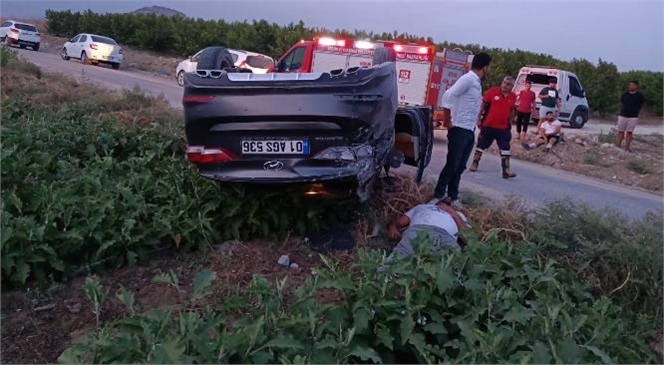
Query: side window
column 83, row 39
column 293, row 61
column 194, row 58
column 575, row 87
column 6, row 24
column 75, row 39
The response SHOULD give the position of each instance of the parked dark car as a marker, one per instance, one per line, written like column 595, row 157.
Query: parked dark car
column 337, row 126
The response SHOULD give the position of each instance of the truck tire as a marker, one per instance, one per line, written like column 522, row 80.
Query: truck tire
column 384, row 54
column 214, row 58
column 578, row 118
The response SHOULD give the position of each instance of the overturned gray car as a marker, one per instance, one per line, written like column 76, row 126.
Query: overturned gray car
column 342, row 126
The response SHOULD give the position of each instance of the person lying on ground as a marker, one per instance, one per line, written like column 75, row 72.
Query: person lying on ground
column 441, row 221
column 549, row 133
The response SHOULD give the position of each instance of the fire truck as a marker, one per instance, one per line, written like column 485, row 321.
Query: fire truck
column 423, row 73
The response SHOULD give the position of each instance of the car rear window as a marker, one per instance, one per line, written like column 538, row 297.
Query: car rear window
column 98, row 39
column 260, row 62
column 540, row 79
column 26, row 27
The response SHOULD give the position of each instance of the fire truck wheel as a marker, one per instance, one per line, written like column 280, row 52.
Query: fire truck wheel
column 384, row 54
column 214, row 58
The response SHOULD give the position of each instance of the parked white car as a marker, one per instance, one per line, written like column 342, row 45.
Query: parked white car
column 21, row 34
column 93, row 49
column 256, row 62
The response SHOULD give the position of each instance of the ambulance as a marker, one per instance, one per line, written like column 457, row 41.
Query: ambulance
column 423, row 73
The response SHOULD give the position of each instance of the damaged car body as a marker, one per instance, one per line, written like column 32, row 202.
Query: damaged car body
column 325, row 127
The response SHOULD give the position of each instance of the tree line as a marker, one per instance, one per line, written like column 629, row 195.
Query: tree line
column 180, row 36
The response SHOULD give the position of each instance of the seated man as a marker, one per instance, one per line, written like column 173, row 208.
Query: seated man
column 441, row 221
column 549, row 133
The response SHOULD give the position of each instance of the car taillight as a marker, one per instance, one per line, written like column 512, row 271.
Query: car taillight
column 198, row 99
column 120, row 51
column 93, row 46
column 13, row 30
column 201, row 155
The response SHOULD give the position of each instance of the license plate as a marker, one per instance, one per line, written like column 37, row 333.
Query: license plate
column 276, row 147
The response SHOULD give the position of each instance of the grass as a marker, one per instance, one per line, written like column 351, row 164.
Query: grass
column 590, row 158
column 638, row 166
column 610, row 137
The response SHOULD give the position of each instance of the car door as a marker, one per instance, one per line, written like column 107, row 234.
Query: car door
column 577, row 96
column 294, row 61
column 71, row 46
column 413, row 136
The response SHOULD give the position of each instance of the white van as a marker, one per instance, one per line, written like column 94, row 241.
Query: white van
column 574, row 105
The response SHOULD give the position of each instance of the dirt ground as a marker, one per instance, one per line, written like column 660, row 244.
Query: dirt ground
column 597, row 156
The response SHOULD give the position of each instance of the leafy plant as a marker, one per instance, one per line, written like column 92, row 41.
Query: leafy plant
column 638, row 166
column 493, row 303
column 96, row 294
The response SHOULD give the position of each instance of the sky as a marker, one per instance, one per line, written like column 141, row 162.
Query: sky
column 628, row 33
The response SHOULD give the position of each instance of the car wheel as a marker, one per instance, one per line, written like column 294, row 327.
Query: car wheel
column 84, row 59
column 578, row 119
column 36, row 47
column 63, row 54
column 384, row 54
column 22, row 46
column 214, row 58
column 180, row 78
column 115, row 65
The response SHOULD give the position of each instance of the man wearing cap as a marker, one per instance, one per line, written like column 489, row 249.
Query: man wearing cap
column 440, row 221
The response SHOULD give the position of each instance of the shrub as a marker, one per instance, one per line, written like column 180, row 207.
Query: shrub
column 496, row 303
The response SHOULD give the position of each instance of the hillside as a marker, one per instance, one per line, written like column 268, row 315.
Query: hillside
column 158, row 10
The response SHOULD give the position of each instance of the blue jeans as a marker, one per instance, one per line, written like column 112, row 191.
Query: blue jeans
column 459, row 146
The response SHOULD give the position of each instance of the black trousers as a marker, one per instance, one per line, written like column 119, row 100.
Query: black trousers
column 459, row 146
column 522, row 121
column 502, row 136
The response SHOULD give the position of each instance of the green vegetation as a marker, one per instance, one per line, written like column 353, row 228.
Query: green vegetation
column 185, row 36
column 638, row 166
column 491, row 303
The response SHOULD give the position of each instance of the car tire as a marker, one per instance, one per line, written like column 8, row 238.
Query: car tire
column 84, row 58
column 22, row 46
column 578, row 119
column 36, row 47
column 180, row 78
column 115, row 65
column 214, row 58
column 63, row 54
column 384, row 54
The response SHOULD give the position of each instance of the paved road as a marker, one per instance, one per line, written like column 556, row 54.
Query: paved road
column 535, row 184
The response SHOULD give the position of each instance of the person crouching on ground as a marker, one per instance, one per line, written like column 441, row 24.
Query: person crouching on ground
column 494, row 123
column 441, row 221
column 549, row 133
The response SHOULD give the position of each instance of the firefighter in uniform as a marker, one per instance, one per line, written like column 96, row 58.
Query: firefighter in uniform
column 498, row 105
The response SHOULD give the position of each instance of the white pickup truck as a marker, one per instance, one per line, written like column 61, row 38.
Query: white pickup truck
column 574, row 105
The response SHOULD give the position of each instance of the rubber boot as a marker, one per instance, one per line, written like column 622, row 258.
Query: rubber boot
column 507, row 172
column 476, row 160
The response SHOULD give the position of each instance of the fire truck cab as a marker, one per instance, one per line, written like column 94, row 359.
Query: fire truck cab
column 423, row 73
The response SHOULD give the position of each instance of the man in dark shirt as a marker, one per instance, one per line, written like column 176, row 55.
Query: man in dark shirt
column 631, row 102
column 550, row 98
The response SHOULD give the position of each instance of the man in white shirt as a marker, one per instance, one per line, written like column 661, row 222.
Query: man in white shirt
column 549, row 133
column 461, row 108
column 440, row 221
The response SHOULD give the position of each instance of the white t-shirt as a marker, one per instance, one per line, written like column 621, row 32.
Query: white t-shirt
column 550, row 128
column 429, row 214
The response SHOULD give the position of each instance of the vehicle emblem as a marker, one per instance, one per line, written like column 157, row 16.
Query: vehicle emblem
column 273, row 166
